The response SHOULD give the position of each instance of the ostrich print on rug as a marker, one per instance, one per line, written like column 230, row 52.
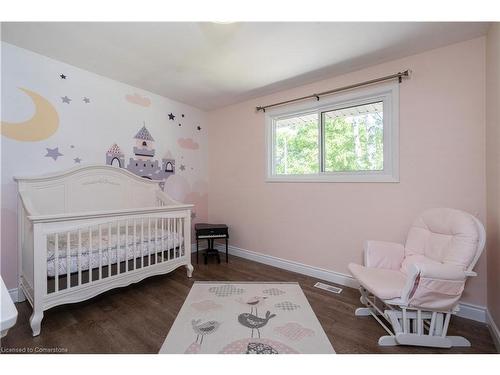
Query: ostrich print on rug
column 246, row 318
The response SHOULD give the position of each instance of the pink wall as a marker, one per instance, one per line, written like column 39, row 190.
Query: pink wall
column 493, row 168
column 442, row 163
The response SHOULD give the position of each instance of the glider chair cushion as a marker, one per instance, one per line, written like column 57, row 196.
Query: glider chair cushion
column 430, row 270
column 387, row 255
column 385, row 284
column 445, row 235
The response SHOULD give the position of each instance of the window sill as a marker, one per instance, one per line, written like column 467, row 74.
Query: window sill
column 339, row 178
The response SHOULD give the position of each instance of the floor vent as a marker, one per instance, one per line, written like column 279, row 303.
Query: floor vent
column 330, row 288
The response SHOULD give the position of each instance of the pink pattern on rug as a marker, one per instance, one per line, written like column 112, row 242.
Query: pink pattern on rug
column 294, row 331
column 206, row 305
column 194, row 348
column 240, row 346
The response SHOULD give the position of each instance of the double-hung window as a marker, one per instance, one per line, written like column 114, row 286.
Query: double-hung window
column 352, row 137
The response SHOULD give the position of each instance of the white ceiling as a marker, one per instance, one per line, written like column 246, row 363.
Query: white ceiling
column 210, row 65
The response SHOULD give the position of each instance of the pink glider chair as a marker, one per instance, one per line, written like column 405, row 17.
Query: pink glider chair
column 416, row 287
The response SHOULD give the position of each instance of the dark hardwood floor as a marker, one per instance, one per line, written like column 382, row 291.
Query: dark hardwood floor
column 136, row 319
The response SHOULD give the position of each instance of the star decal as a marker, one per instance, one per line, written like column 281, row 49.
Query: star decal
column 198, row 127
column 72, row 146
column 53, row 153
column 182, row 167
column 86, row 100
column 62, row 76
column 180, row 124
column 182, row 115
column 171, row 116
column 77, row 160
column 65, row 99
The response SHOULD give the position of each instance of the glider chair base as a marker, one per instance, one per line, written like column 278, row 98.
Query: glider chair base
column 409, row 326
column 423, row 340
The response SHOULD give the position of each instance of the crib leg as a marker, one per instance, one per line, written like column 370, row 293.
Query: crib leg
column 36, row 321
column 189, row 269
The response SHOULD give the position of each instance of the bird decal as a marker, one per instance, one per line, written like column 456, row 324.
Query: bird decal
column 203, row 329
column 254, row 322
column 253, row 302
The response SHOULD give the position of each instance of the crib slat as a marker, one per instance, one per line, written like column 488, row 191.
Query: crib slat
column 169, row 238
column 176, row 236
column 142, row 242
column 126, row 245
column 162, row 244
column 109, row 249
column 156, row 241
column 118, row 247
column 149, row 241
column 135, row 244
column 183, row 243
column 90, row 255
column 56, row 262
column 100, row 252
column 79, row 257
column 68, row 261
column 174, row 232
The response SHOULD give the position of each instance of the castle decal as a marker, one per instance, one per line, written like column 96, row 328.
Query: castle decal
column 143, row 164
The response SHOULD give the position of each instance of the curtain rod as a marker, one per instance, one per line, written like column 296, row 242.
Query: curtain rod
column 317, row 96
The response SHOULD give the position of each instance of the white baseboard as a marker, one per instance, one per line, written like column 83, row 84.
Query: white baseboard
column 304, row 269
column 467, row 310
column 472, row 312
column 495, row 332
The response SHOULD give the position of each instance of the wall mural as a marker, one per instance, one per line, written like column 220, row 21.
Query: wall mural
column 59, row 116
column 40, row 126
column 143, row 164
column 188, row 143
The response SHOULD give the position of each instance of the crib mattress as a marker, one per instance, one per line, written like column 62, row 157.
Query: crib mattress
column 114, row 248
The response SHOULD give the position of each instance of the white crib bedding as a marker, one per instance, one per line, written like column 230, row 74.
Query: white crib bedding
column 113, row 247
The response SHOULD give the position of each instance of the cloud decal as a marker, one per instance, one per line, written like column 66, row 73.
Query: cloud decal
column 138, row 100
column 188, row 143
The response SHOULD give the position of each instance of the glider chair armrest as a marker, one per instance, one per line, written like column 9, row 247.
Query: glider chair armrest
column 381, row 254
column 433, row 286
column 440, row 271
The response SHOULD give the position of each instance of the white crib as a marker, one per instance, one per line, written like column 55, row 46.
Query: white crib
column 94, row 228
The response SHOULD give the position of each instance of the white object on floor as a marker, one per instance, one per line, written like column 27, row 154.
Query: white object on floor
column 127, row 224
column 8, row 310
column 329, row 288
column 416, row 287
column 246, row 318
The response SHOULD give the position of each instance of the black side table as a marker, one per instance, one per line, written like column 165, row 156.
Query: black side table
column 210, row 232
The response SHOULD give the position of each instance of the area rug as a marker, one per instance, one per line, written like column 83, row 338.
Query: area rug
column 246, row 318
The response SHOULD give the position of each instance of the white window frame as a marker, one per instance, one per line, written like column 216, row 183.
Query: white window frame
column 386, row 93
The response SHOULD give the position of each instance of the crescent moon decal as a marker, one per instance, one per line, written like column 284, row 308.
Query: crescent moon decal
column 41, row 126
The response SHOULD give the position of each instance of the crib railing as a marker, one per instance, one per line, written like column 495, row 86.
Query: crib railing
column 94, row 252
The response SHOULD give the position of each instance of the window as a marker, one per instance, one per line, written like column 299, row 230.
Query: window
column 346, row 138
